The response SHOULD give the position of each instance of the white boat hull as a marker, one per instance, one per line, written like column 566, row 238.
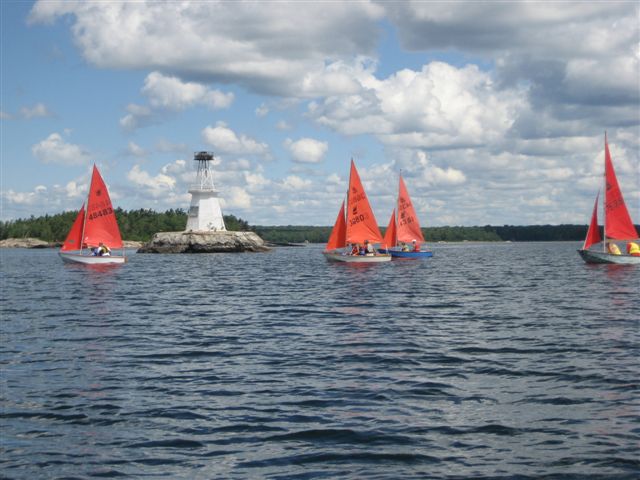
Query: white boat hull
column 343, row 257
column 68, row 257
column 591, row 256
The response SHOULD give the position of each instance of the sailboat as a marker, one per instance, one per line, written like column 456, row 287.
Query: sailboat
column 404, row 228
column 94, row 225
column 617, row 222
column 354, row 225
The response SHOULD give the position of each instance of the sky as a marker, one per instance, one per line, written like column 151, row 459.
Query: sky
column 494, row 112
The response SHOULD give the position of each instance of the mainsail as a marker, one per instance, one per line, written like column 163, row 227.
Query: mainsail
column 408, row 225
column 74, row 238
column 101, row 224
column 361, row 223
column 617, row 222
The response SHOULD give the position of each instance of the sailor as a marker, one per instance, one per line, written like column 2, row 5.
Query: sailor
column 633, row 249
column 416, row 246
column 405, row 247
column 368, row 248
column 355, row 249
column 613, row 249
column 103, row 250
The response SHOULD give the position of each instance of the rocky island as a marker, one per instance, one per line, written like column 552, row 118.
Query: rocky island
column 204, row 242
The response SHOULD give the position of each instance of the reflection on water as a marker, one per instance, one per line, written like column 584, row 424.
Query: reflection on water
column 486, row 358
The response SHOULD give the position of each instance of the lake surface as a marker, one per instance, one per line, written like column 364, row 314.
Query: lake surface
column 485, row 361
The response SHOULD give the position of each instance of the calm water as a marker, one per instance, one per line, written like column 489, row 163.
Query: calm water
column 486, row 361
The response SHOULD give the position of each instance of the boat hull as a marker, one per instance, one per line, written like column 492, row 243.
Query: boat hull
column 409, row 255
column 90, row 259
column 590, row 256
column 344, row 258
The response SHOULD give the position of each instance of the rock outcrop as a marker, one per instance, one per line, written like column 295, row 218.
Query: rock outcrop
column 204, row 242
column 27, row 242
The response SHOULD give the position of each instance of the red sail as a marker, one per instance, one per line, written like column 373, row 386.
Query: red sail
column 618, row 223
column 361, row 223
column 390, row 236
column 74, row 238
column 408, row 225
column 593, row 234
column 101, row 224
column 338, row 234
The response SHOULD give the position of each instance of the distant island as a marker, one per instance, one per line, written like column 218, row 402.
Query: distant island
column 140, row 225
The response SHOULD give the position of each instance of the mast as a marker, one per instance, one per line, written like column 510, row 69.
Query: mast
column 86, row 208
column 604, row 198
column 397, row 212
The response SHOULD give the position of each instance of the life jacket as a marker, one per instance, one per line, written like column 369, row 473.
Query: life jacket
column 633, row 249
column 416, row 247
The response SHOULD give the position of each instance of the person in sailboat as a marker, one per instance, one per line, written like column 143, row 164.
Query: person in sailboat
column 633, row 249
column 405, row 247
column 613, row 249
column 416, row 246
column 368, row 248
column 355, row 249
column 102, row 250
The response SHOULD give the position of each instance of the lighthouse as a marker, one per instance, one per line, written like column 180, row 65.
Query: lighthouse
column 205, row 214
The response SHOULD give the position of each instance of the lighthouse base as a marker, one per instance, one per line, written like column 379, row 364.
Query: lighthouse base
column 204, row 242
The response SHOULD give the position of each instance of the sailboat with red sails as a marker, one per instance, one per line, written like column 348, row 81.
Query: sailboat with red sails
column 355, row 225
column 93, row 227
column 404, row 229
column 617, row 222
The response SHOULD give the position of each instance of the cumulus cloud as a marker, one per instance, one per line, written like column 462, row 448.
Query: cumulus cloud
column 225, row 140
column 155, row 185
column 237, row 197
column 567, row 56
column 267, row 47
column 54, row 149
column 138, row 116
column 24, row 198
column 294, row 182
column 438, row 106
column 45, row 199
column 512, row 130
column 172, row 93
column 306, row 150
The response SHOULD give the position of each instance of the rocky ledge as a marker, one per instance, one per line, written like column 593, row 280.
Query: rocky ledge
column 204, row 242
column 27, row 242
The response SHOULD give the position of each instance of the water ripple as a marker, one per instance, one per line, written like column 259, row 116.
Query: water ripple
column 501, row 361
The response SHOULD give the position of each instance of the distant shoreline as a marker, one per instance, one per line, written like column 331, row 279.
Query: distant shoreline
column 141, row 225
column 32, row 242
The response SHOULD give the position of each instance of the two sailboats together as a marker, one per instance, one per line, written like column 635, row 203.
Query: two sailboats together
column 357, row 225
column 617, row 223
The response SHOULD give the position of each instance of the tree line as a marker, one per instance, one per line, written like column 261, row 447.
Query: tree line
column 488, row 233
column 138, row 225
column 142, row 224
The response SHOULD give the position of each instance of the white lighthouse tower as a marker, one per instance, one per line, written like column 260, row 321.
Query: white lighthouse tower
column 205, row 213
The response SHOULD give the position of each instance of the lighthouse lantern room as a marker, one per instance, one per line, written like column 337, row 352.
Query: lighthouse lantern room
column 205, row 213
